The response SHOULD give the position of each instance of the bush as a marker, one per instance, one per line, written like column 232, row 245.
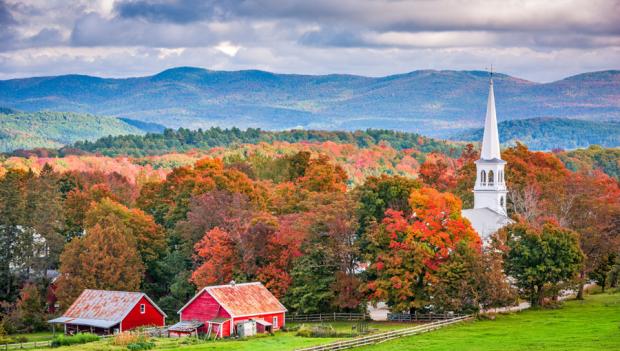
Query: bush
column 144, row 345
column 321, row 331
column 63, row 340
column 126, row 338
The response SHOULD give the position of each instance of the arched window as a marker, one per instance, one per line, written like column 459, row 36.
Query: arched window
column 500, row 177
column 501, row 201
column 483, row 177
column 490, row 177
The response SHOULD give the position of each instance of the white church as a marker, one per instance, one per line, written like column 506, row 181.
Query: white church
column 489, row 212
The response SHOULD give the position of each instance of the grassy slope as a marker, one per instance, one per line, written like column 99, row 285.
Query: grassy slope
column 592, row 324
column 55, row 129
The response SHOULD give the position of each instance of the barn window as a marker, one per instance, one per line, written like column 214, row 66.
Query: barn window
column 142, row 308
column 490, row 177
column 483, row 177
column 275, row 322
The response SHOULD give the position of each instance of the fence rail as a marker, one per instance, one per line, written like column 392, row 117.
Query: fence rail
column 327, row 317
column 382, row 337
column 421, row 317
column 25, row 345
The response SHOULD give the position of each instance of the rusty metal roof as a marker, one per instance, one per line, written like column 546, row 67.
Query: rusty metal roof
column 246, row 299
column 105, row 305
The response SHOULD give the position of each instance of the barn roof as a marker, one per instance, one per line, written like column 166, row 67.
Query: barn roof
column 102, row 307
column 246, row 299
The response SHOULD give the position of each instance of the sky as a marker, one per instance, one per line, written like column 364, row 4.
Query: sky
column 540, row 41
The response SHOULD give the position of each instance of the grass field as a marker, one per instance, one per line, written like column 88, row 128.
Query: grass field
column 593, row 324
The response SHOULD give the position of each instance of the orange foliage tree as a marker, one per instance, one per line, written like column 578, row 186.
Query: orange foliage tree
column 410, row 251
column 105, row 258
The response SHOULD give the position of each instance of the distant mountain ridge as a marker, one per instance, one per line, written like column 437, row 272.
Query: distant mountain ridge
column 552, row 133
column 434, row 103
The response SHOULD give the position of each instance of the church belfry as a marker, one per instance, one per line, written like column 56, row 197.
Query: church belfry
column 490, row 189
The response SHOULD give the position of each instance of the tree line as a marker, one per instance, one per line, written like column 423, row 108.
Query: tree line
column 182, row 140
column 316, row 242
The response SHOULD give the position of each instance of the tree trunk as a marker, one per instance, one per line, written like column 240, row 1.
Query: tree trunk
column 541, row 296
column 582, row 275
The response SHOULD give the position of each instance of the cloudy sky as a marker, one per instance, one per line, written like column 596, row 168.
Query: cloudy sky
column 536, row 40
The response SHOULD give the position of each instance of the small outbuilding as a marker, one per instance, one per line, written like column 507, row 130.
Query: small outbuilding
column 106, row 312
column 222, row 308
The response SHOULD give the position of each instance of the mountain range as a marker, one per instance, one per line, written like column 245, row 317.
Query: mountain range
column 434, row 103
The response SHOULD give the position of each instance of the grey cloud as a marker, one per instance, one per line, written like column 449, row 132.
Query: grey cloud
column 339, row 37
column 177, row 11
column 93, row 30
column 6, row 18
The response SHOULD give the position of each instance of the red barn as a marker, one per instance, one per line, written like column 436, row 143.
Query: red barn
column 220, row 308
column 106, row 312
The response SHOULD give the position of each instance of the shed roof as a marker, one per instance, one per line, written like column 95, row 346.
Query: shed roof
column 246, row 299
column 99, row 307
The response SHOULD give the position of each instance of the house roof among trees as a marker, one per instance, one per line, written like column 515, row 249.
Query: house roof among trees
column 246, row 299
column 102, row 307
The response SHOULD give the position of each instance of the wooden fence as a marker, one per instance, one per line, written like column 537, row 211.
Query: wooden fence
column 382, row 337
column 25, row 345
column 421, row 317
column 327, row 317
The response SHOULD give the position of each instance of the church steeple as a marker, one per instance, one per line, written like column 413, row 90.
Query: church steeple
column 490, row 190
column 490, row 140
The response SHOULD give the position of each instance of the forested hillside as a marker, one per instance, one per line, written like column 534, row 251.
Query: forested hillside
column 183, row 140
column 27, row 130
column 552, row 133
column 434, row 103
column 594, row 157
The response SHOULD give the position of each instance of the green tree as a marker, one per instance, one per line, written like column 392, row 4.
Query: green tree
column 541, row 258
column 378, row 194
column 601, row 273
column 313, row 276
column 12, row 213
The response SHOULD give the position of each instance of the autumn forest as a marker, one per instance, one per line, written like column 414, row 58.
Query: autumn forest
column 325, row 225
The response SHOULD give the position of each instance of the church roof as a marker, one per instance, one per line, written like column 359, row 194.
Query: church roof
column 490, row 139
column 486, row 221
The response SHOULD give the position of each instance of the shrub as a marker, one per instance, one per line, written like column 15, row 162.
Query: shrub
column 126, row 338
column 63, row 340
column 143, row 345
column 321, row 331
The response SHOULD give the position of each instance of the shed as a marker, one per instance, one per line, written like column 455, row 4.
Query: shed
column 106, row 312
column 222, row 307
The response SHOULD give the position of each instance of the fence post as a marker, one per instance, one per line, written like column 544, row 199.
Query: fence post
column 334, row 316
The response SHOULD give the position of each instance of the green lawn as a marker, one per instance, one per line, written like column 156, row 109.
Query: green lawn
column 593, row 324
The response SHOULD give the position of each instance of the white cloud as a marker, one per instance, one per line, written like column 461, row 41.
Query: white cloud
column 228, row 48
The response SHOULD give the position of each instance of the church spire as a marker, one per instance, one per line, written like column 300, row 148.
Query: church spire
column 490, row 140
